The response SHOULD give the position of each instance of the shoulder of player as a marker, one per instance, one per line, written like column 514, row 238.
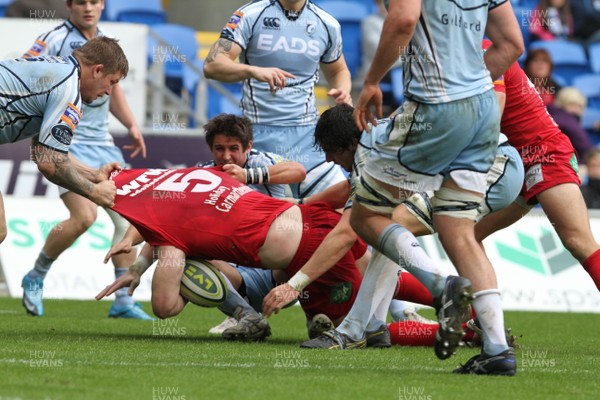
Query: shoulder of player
column 258, row 158
column 327, row 19
column 105, row 33
column 253, row 10
column 56, row 35
column 59, row 31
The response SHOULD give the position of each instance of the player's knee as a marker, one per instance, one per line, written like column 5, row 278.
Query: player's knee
column 164, row 306
column 575, row 245
column 84, row 220
column 163, row 311
column 456, row 203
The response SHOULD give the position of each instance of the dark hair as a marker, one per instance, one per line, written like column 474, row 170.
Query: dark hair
column 229, row 125
column 535, row 54
column 336, row 129
column 105, row 51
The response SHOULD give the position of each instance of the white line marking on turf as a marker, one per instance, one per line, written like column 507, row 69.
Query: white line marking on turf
column 138, row 364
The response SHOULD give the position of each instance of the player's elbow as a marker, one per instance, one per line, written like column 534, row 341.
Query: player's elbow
column 299, row 172
column 512, row 46
column 347, row 236
column 210, row 70
column 403, row 22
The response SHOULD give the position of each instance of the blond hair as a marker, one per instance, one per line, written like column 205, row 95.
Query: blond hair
column 570, row 95
column 105, row 51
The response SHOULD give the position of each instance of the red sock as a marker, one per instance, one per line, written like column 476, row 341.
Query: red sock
column 592, row 266
column 412, row 333
column 410, row 289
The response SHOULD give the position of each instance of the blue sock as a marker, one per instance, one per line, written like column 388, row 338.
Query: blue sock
column 233, row 301
column 401, row 246
column 122, row 297
column 42, row 266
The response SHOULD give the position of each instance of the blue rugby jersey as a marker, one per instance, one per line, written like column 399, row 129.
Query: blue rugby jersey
column 61, row 41
column 443, row 61
column 269, row 39
column 40, row 97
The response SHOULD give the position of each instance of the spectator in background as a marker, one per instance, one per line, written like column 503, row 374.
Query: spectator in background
column 538, row 67
column 551, row 20
column 370, row 29
column 591, row 190
column 586, row 17
column 567, row 111
column 38, row 9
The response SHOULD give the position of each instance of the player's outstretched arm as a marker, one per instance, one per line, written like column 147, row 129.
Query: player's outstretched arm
column 220, row 64
column 132, row 277
column 131, row 238
column 335, row 196
column 58, row 168
column 337, row 243
column 398, row 29
column 507, row 42
column 120, row 109
column 339, row 80
column 285, row 172
column 129, row 279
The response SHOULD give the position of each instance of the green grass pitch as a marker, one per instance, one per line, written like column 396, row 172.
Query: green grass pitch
column 76, row 352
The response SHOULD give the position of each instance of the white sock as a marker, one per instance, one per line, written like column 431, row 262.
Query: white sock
column 397, row 308
column 488, row 307
column 402, row 246
column 378, row 284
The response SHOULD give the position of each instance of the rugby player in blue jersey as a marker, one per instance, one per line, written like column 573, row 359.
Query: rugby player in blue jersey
column 40, row 99
column 93, row 146
column 282, row 46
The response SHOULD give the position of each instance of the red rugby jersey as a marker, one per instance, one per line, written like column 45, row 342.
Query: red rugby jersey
column 525, row 120
column 201, row 211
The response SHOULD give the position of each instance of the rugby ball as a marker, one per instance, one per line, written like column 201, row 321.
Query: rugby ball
column 202, row 283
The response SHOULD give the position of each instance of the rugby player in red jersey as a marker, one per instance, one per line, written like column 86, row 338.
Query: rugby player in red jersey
column 204, row 213
column 550, row 171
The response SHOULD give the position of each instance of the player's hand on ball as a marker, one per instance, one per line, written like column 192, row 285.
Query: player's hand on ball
column 278, row 297
column 129, row 278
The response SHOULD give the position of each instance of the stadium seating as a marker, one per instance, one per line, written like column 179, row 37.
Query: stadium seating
column 205, row 41
column 568, row 57
column 3, row 6
column 216, row 103
column 591, row 116
column 148, row 12
column 180, row 46
column 589, row 85
column 594, row 51
column 349, row 14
